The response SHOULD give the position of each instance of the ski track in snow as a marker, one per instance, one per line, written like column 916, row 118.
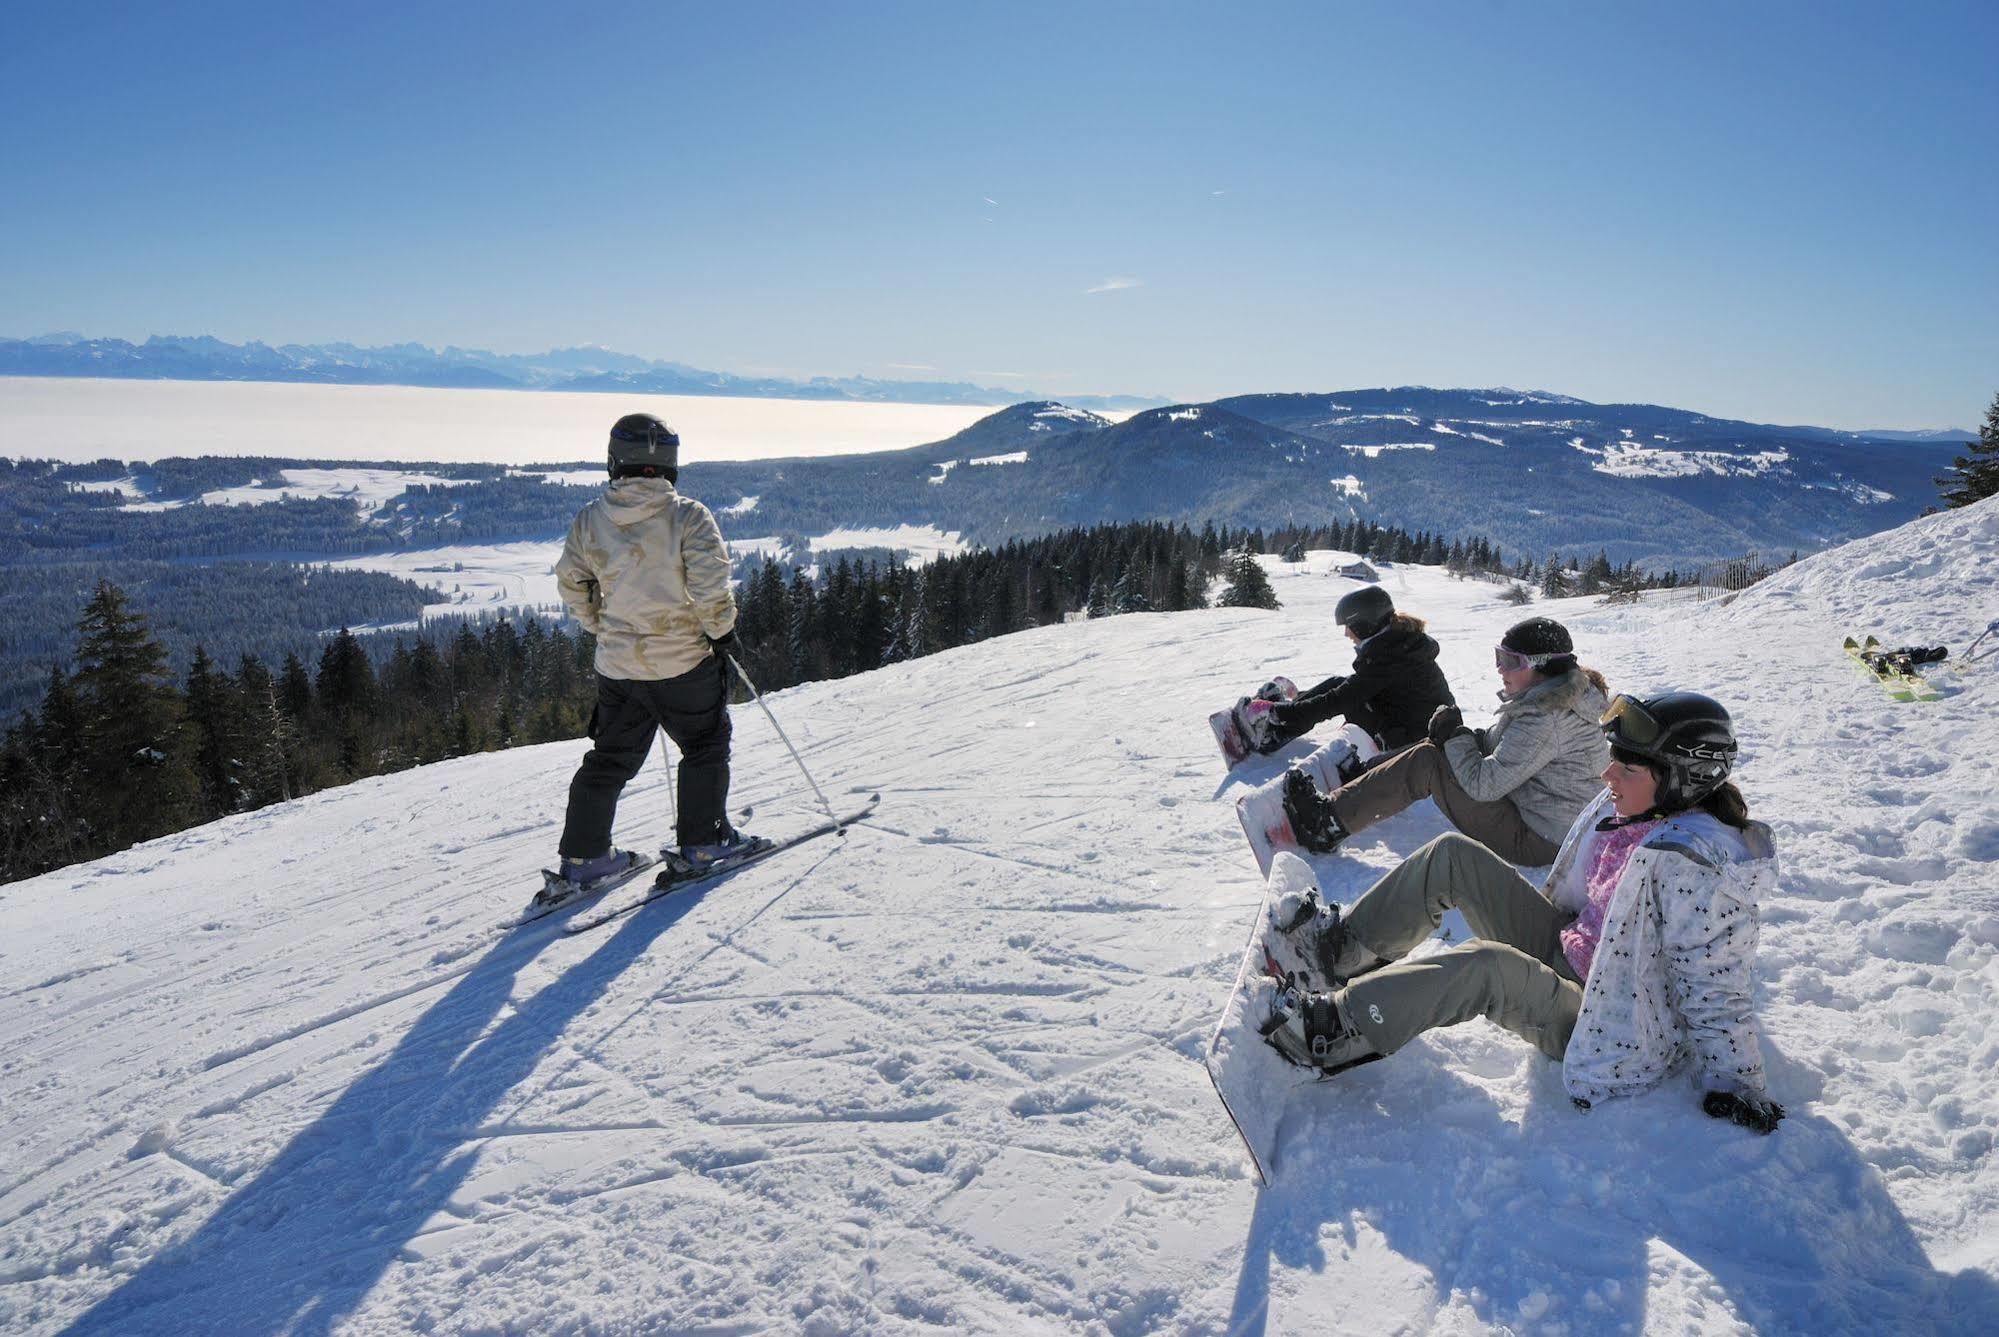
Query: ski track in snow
column 284, row 1072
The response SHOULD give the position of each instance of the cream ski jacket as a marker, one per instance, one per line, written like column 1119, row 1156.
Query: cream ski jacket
column 646, row 572
column 1675, row 969
column 1545, row 753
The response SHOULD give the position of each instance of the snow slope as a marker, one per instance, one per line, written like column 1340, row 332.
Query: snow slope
column 282, row 1074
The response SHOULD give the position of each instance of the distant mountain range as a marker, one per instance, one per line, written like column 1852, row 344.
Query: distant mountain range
column 202, row 358
column 1529, row 470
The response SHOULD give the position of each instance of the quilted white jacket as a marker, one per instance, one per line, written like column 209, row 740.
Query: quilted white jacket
column 645, row 571
column 1674, row 971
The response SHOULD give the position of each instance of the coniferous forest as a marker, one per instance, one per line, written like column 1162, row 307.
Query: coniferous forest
column 117, row 751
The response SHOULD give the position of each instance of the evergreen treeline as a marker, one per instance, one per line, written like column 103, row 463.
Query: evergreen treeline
column 262, row 608
column 118, row 752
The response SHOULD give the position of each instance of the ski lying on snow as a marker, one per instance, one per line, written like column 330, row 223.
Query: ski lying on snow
column 668, row 884
column 1901, row 683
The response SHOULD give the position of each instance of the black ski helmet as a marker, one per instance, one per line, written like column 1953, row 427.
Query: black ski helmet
column 1364, row 611
column 1540, row 639
column 1685, row 737
column 642, row 445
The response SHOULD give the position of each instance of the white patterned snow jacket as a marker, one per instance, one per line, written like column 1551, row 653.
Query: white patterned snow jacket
column 1675, row 968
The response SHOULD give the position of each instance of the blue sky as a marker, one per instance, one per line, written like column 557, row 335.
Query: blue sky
column 1774, row 211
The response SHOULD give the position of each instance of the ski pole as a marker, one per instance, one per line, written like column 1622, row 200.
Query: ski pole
column 1990, row 627
column 666, row 760
column 757, row 696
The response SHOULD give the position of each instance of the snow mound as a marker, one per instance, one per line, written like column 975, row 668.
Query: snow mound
column 1934, row 579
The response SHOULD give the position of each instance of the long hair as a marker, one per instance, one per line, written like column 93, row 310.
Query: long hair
column 1407, row 622
column 1568, row 663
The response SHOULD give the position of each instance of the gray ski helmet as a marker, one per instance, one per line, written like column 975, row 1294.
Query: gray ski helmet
column 1364, row 611
column 643, row 445
column 1687, row 739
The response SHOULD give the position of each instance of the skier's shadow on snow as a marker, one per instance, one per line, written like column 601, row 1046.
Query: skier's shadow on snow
column 1569, row 1217
column 298, row 1246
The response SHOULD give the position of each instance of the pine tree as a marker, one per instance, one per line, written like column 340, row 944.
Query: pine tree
column 1974, row 475
column 1248, row 586
column 213, row 715
column 134, row 749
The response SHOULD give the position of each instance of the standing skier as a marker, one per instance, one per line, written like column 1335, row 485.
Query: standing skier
column 1395, row 685
column 1640, row 947
column 646, row 572
column 1515, row 786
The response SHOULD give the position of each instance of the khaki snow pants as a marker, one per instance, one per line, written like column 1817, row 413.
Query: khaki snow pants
column 1421, row 771
column 1515, row 974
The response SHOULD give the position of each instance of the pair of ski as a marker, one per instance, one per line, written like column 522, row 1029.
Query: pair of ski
column 558, row 893
column 1895, row 670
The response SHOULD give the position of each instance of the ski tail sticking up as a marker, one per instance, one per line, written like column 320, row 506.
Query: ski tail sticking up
column 1252, row 1078
column 679, row 873
column 1266, row 825
column 1244, row 729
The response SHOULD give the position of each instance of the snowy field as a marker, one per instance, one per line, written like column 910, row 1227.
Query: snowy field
column 72, row 419
column 282, row 1073
column 495, row 577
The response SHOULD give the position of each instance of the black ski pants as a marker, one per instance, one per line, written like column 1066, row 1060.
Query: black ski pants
column 694, row 710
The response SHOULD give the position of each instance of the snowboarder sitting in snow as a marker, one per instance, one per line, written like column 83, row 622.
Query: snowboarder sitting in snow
column 646, row 572
column 1393, row 689
column 1514, row 787
column 1640, row 946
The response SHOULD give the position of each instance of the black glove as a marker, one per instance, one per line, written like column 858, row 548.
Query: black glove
column 726, row 643
column 1755, row 1112
column 1285, row 719
column 1444, row 722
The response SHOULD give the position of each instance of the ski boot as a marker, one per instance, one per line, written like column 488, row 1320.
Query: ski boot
column 693, row 861
column 1311, row 814
column 1309, row 1030
column 580, row 877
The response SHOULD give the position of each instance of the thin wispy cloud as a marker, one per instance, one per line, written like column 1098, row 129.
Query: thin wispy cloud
column 912, row 366
column 1114, row 283
column 990, row 200
column 1003, row 375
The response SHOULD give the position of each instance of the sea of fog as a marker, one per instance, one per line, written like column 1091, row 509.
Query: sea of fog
column 76, row 419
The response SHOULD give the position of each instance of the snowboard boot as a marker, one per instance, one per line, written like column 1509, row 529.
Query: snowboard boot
column 1309, row 1030
column 1311, row 814
column 1306, row 945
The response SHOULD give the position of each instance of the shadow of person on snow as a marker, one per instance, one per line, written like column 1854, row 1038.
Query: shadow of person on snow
column 1565, row 1216
column 298, row 1246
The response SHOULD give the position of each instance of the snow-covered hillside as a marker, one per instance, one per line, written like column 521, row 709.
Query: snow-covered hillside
column 284, row 1073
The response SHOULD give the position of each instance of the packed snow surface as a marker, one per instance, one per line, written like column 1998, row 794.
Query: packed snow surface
column 284, row 1072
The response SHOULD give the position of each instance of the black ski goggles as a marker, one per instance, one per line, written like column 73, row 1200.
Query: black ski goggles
column 1628, row 719
column 1630, row 722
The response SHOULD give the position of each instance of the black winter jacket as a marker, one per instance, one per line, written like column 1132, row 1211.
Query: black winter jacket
column 1393, row 689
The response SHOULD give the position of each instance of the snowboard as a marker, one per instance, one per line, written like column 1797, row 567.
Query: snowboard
column 673, row 878
column 1234, row 728
column 1894, row 670
column 1261, row 810
column 558, row 892
column 1253, row 1080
